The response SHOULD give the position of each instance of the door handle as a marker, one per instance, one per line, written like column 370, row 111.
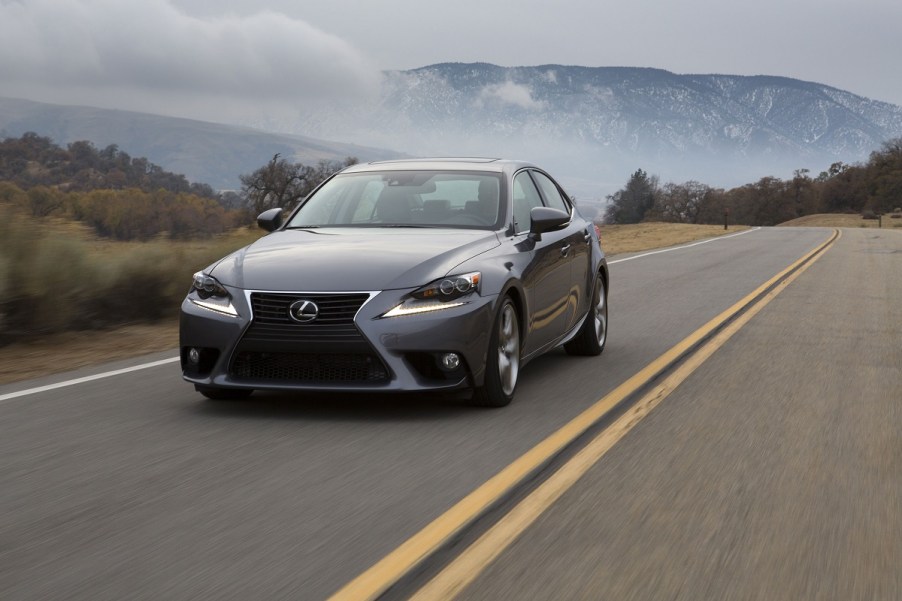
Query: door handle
column 565, row 250
column 587, row 236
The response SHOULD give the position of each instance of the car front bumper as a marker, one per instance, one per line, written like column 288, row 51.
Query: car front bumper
column 386, row 355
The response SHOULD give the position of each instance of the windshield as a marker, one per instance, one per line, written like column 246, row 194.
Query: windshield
column 453, row 199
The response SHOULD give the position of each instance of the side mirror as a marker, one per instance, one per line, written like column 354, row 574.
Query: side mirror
column 270, row 220
column 546, row 219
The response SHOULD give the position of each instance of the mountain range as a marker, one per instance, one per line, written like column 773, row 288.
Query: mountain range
column 590, row 126
column 602, row 123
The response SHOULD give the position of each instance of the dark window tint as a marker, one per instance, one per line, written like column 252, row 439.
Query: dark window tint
column 525, row 198
column 550, row 192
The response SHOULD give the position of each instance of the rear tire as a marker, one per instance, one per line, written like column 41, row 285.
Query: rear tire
column 502, row 360
column 593, row 334
column 224, row 394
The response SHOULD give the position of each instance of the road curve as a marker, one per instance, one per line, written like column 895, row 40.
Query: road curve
column 132, row 487
column 773, row 472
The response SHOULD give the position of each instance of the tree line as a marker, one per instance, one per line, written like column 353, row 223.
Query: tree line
column 871, row 188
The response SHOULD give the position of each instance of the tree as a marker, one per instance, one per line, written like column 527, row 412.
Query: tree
column 682, row 203
column 283, row 184
column 630, row 204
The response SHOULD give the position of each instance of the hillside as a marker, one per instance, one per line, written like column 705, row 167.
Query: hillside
column 208, row 153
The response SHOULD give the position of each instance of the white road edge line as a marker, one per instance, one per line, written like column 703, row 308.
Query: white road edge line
column 667, row 250
column 106, row 374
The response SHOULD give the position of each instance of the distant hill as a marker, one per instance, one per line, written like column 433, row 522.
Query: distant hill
column 207, row 153
column 598, row 124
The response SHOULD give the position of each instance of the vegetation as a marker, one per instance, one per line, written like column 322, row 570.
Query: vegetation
column 33, row 160
column 871, row 188
column 56, row 277
column 283, row 184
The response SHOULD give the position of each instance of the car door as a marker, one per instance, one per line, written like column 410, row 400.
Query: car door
column 579, row 238
column 546, row 277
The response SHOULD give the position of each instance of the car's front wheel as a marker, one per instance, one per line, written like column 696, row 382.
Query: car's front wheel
column 502, row 361
column 223, row 394
column 593, row 334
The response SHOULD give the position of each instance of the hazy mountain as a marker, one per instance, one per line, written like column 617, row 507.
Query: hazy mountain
column 597, row 125
column 590, row 126
column 209, row 153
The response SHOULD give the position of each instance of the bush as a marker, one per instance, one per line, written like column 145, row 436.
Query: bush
column 54, row 283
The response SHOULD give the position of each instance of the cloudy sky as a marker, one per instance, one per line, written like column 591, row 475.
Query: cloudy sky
column 218, row 59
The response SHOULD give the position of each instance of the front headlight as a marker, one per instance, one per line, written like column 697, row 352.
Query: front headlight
column 211, row 295
column 444, row 293
column 207, row 286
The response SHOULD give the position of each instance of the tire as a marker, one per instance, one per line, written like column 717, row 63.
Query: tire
column 224, row 394
column 502, row 360
column 593, row 334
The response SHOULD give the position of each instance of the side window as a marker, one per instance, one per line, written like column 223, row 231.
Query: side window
column 550, row 192
column 525, row 198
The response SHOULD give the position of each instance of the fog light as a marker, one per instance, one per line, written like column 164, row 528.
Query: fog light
column 450, row 361
column 194, row 356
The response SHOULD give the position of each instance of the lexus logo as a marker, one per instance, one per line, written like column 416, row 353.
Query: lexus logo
column 303, row 311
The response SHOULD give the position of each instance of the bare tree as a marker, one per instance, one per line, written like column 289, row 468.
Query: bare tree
column 283, row 184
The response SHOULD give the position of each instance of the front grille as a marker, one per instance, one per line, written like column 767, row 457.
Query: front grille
column 329, row 349
column 335, row 323
column 309, row 368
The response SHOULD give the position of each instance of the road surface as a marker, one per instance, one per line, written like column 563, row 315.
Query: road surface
column 773, row 471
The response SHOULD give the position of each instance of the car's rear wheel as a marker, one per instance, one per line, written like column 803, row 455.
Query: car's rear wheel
column 503, row 360
column 223, row 394
column 593, row 334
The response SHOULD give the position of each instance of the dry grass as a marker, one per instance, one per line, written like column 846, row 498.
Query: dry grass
column 72, row 350
column 618, row 239
column 841, row 220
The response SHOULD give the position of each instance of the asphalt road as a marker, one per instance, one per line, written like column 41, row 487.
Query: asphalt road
column 774, row 472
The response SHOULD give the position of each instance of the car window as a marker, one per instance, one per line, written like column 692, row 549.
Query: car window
column 525, row 198
column 454, row 199
column 550, row 191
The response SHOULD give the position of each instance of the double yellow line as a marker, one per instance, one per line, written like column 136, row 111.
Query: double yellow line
column 681, row 360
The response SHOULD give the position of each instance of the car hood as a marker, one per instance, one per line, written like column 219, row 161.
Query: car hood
column 346, row 259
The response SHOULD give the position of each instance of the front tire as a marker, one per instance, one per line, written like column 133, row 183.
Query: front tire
column 502, row 360
column 593, row 334
column 223, row 394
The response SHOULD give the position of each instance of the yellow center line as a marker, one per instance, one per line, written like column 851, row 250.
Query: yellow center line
column 394, row 566
column 470, row 563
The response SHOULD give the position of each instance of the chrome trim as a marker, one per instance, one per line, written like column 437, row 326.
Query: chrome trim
column 250, row 305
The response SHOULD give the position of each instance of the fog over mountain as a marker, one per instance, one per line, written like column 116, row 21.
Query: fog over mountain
column 590, row 126
column 595, row 125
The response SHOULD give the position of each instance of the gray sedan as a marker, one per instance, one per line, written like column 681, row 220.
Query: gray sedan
column 418, row 275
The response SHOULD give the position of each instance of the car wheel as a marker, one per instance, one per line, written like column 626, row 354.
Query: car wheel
column 502, row 361
column 593, row 334
column 223, row 394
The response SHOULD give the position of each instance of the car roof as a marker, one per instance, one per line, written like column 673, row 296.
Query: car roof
column 440, row 164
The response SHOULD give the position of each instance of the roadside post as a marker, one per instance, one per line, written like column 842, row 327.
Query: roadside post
column 726, row 218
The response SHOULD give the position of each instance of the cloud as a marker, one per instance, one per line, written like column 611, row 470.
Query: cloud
column 151, row 47
column 510, row 93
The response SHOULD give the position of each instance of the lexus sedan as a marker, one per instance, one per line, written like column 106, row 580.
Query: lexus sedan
column 416, row 275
